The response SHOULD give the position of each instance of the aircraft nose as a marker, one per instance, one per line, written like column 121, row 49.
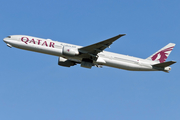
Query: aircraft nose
column 6, row 40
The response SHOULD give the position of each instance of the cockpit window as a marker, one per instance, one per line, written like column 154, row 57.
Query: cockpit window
column 9, row 36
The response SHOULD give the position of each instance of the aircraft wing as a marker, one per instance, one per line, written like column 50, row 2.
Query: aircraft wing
column 94, row 49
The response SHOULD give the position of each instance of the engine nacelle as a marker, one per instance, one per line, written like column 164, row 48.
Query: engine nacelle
column 64, row 62
column 68, row 51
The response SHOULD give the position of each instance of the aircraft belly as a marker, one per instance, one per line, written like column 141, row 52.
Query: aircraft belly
column 126, row 65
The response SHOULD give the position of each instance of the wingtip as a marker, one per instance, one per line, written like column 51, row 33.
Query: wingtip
column 122, row 34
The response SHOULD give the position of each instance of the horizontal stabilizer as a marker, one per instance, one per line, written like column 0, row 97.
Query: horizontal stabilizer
column 164, row 64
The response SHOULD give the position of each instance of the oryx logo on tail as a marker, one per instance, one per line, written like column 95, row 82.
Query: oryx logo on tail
column 161, row 55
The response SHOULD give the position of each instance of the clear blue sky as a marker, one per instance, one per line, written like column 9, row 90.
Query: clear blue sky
column 34, row 87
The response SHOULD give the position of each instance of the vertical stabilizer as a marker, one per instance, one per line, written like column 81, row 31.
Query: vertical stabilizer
column 161, row 55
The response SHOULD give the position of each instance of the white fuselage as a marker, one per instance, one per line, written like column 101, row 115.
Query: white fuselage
column 55, row 48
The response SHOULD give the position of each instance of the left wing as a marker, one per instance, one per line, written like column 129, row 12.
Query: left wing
column 92, row 50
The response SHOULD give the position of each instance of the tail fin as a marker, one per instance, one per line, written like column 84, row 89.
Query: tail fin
column 161, row 55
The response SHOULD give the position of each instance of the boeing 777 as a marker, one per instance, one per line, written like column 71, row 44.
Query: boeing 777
column 92, row 55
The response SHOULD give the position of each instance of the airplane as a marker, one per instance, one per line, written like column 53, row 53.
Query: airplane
column 92, row 55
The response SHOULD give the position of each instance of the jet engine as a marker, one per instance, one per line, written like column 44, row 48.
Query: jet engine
column 69, row 51
column 65, row 62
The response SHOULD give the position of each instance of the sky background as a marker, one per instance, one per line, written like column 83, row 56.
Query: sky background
column 34, row 87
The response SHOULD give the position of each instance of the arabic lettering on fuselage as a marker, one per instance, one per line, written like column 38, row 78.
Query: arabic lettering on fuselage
column 27, row 40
